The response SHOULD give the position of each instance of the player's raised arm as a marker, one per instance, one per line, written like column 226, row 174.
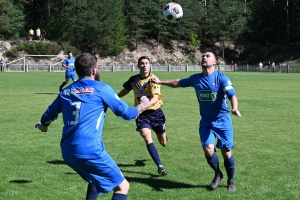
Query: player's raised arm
column 170, row 83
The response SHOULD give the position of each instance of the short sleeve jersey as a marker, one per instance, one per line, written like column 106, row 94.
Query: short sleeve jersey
column 83, row 105
column 69, row 62
column 212, row 93
column 144, row 87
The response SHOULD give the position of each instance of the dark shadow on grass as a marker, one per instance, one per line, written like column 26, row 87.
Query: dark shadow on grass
column 161, row 184
column 56, row 162
column 20, row 181
column 70, row 173
column 47, row 93
column 138, row 163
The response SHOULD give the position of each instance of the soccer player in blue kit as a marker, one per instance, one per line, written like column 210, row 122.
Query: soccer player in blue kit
column 153, row 117
column 68, row 63
column 83, row 105
column 212, row 90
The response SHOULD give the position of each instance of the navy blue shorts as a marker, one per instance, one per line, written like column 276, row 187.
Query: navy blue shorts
column 152, row 119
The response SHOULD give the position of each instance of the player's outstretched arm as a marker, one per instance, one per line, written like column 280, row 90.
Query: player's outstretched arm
column 123, row 92
column 234, row 105
column 170, row 83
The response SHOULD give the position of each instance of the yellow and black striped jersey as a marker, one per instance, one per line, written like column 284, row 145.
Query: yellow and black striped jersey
column 144, row 87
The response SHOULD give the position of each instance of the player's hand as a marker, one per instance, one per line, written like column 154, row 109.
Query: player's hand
column 41, row 127
column 144, row 101
column 236, row 112
column 155, row 80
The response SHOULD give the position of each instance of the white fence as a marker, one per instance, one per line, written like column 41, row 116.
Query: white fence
column 57, row 67
column 24, row 66
column 21, row 65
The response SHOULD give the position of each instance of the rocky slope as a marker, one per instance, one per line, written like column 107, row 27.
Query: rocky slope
column 176, row 55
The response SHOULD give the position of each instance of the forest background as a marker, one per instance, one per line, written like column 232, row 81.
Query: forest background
column 240, row 30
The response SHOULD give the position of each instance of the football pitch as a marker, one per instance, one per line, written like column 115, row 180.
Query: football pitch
column 267, row 150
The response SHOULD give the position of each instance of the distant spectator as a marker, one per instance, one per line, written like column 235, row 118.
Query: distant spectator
column 43, row 37
column 38, row 34
column 31, row 33
column 260, row 66
column 273, row 66
column 235, row 66
column 231, row 65
column 2, row 64
column 279, row 66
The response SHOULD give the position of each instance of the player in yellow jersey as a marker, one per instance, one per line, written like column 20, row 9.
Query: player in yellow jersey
column 152, row 118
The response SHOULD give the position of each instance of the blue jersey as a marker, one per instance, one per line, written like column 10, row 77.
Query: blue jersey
column 83, row 105
column 212, row 92
column 69, row 62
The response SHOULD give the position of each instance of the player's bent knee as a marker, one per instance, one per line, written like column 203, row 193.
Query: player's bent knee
column 123, row 188
column 209, row 149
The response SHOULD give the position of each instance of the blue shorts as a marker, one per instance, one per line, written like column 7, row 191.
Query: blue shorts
column 222, row 129
column 71, row 75
column 152, row 119
column 103, row 172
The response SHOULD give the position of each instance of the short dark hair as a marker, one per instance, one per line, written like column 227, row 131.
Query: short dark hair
column 84, row 64
column 143, row 57
column 215, row 54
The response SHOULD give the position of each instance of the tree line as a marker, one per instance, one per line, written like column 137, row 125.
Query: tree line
column 108, row 26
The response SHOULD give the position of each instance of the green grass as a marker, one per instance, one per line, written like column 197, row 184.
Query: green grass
column 266, row 142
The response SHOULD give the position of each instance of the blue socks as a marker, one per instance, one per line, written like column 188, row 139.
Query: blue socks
column 213, row 162
column 117, row 196
column 229, row 166
column 154, row 154
column 92, row 192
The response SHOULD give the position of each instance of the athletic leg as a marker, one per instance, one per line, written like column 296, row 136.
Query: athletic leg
column 207, row 136
column 121, row 191
column 62, row 85
column 229, row 166
column 92, row 193
column 146, row 135
column 162, row 138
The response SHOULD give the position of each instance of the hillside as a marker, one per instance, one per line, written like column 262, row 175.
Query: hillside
column 176, row 54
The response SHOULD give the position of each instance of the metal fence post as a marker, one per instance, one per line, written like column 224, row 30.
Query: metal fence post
column 168, row 67
column 24, row 63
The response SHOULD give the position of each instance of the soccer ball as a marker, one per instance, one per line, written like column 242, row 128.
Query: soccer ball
column 173, row 12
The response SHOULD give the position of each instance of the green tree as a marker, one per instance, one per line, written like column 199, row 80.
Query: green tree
column 11, row 19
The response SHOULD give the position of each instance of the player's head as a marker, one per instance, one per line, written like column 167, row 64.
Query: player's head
column 144, row 64
column 86, row 65
column 70, row 54
column 209, row 59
